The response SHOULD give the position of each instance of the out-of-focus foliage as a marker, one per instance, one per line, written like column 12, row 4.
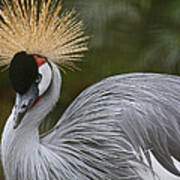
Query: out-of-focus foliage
column 126, row 36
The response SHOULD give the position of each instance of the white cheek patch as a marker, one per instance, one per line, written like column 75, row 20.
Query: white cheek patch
column 46, row 73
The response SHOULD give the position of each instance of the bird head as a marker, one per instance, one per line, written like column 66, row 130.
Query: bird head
column 30, row 77
column 34, row 35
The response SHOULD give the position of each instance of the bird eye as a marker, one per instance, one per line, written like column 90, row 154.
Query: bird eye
column 38, row 79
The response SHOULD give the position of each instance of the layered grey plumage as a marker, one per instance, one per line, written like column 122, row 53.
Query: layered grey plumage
column 117, row 129
column 104, row 130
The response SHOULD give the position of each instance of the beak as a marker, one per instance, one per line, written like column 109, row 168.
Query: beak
column 23, row 104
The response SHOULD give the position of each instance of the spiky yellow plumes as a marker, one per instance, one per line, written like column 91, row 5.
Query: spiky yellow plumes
column 35, row 26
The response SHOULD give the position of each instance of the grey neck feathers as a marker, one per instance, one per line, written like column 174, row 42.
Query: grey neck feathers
column 48, row 101
column 23, row 143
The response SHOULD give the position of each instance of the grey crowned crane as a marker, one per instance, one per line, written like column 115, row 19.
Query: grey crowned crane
column 126, row 127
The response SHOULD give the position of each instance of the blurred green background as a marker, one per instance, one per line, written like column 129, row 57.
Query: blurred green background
column 126, row 36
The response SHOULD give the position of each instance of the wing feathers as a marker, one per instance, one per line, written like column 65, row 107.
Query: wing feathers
column 123, row 114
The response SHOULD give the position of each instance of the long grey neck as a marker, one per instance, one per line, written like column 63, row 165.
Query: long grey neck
column 19, row 144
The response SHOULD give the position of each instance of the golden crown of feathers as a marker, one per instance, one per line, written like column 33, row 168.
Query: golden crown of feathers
column 37, row 27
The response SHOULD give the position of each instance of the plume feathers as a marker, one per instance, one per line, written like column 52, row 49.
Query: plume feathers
column 40, row 27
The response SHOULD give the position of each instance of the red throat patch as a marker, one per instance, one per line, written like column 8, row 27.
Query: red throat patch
column 36, row 101
column 39, row 60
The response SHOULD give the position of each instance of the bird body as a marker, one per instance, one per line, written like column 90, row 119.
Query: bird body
column 125, row 127
column 100, row 135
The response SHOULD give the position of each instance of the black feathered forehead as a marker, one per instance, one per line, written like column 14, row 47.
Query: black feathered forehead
column 22, row 72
